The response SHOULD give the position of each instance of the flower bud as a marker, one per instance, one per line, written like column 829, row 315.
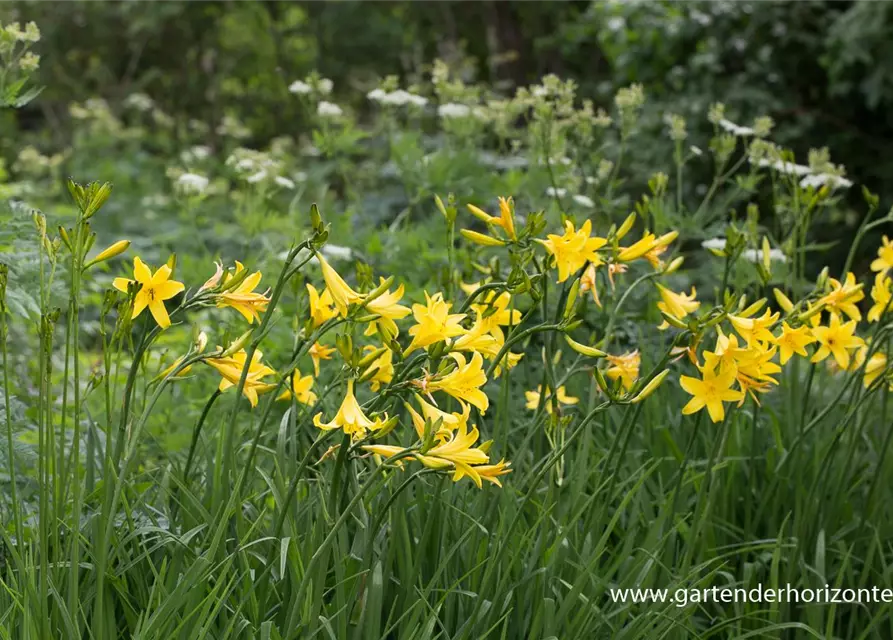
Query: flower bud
column 481, row 239
column 480, row 214
column 590, row 352
column 626, row 226
column 237, row 345
column 650, row 387
column 110, row 252
column 783, row 301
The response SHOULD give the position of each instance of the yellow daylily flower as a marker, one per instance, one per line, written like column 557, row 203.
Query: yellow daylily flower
column 463, row 383
column 711, row 391
column 230, row 368
column 653, row 255
column 573, row 249
column 154, row 290
column 793, row 341
column 477, row 338
column 587, row 283
column 385, row 365
column 318, row 352
column 506, row 219
column 458, row 452
column 434, row 322
column 350, row 417
column 342, row 295
column 876, row 365
column 507, row 216
column 493, row 313
column 322, row 307
column 647, row 243
column 837, row 340
column 491, row 472
column 881, row 294
column 625, row 367
column 301, row 388
column 843, row 297
column 387, row 306
column 676, row 305
column 884, row 260
column 755, row 329
column 533, row 398
column 429, row 412
column 244, row 298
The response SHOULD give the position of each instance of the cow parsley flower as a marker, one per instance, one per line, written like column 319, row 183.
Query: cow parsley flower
column 192, row 183
column 300, row 88
column 818, row 180
column 735, row 129
column 453, row 110
column 329, row 110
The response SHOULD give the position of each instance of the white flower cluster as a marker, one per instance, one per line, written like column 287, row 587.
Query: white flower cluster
column 329, row 110
column 453, row 110
column 139, row 102
column 398, row 98
column 256, row 167
column 191, row 184
column 311, row 84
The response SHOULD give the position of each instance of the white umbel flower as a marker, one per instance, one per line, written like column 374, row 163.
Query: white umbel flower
column 714, row 243
column 300, row 88
column 736, row 129
column 819, row 180
column 584, row 201
column 329, row 110
column 453, row 110
column 192, row 184
column 755, row 256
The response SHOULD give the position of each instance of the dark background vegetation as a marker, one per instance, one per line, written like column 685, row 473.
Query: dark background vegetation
column 820, row 69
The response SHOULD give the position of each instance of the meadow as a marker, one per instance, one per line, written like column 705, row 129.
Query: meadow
column 449, row 362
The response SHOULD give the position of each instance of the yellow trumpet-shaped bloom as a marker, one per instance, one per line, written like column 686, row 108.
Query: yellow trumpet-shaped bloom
column 711, row 391
column 322, row 307
column 843, row 297
column 350, row 418
column 625, row 367
column 677, row 305
column 230, row 368
column 464, row 383
column 384, row 365
column 874, row 368
column 388, row 307
column 429, row 412
column 574, row 248
column 434, row 322
column 588, row 283
column 793, row 341
column 243, row 298
column 155, row 288
column 301, row 388
column 755, row 329
column 836, row 340
column 494, row 313
column 319, row 352
column 507, row 216
column 881, row 295
column 884, row 260
column 506, row 219
column 533, row 398
column 342, row 295
column 479, row 339
column 647, row 243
